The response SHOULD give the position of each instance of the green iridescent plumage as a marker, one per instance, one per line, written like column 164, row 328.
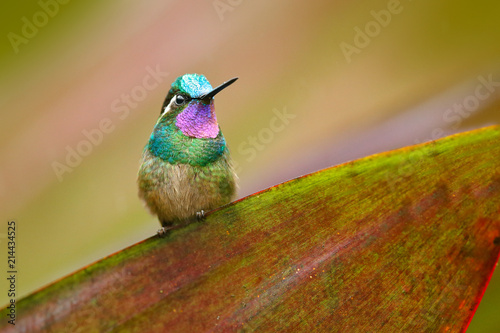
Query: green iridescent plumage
column 169, row 143
column 186, row 167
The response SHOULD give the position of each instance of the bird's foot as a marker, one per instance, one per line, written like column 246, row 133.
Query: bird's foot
column 200, row 216
column 163, row 231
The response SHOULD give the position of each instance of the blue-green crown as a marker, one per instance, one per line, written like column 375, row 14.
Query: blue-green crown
column 194, row 85
column 171, row 144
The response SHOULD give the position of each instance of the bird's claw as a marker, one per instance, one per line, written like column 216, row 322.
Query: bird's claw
column 163, row 231
column 200, row 215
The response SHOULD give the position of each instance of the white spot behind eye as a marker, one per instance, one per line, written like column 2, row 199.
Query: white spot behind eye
column 169, row 106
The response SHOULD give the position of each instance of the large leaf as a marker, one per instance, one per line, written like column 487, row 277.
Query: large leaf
column 401, row 241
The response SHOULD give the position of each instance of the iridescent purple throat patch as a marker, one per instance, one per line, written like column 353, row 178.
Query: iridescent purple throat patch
column 198, row 120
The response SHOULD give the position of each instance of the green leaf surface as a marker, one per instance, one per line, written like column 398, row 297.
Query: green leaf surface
column 401, row 241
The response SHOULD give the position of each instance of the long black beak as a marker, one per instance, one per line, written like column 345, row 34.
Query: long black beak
column 215, row 91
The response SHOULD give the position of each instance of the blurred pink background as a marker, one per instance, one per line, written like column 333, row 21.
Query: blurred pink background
column 320, row 83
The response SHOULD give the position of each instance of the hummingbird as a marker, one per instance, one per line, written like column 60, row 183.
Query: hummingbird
column 186, row 167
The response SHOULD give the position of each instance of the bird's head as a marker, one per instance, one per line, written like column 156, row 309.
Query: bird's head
column 190, row 103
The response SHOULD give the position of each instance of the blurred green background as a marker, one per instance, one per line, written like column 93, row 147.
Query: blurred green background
column 351, row 78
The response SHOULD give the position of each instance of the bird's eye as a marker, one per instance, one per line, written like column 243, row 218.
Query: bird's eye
column 180, row 100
